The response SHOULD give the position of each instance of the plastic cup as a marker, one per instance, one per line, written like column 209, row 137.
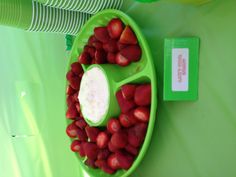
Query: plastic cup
column 16, row 13
column 86, row 6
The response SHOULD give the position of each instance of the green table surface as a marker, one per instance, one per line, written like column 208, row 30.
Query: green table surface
column 191, row 139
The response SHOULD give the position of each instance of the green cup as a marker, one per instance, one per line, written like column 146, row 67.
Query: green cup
column 16, row 13
column 86, row 6
column 113, row 108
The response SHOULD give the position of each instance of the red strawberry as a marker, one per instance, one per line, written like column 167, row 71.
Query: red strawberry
column 77, row 105
column 121, row 60
column 142, row 96
column 75, row 145
column 111, row 58
column 124, row 159
column 75, row 83
column 101, row 34
column 69, row 100
column 113, row 125
column 100, row 57
column 82, row 135
column 137, row 134
column 128, row 91
column 119, row 139
column 113, row 162
column 121, row 46
column 76, row 68
column 70, row 90
column 112, row 148
column 102, row 164
column 70, row 74
column 71, row 112
column 71, row 130
column 125, row 105
column 132, row 150
column 132, row 52
column 90, row 50
column 142, row 114
column 127, row 119
column 91, row 150
column 91, row 40
column 75, row 97
column 84, row 58
column 128, row 36
column 81, row 150
column 81, row 123
column 110, row 46
column 115, row 28
column 98, row 45
column 102, row 140
column 90, row 163
column 92, row 133
column 103, row 154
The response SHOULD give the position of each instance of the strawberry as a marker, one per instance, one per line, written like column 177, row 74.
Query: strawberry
column 113, row 125
column 100, row 57
column 70, row 74
column 113, row 162
column 91, row 40
column 75, row 97
column 81, row 150
column 142, row 114
column 84, row 58
column 70, row 90
column 90, row 50
column 137, row 134
column 77, row 105
column 82, row 135
column 75, row 145
column 119, row 139
column 71, row 130
column 69, row 100
column 132, row 52
column 81, row 123
column 115, row 28
column 142, row 96
column 91, row 150
column 111, row 58
column 128, row 36
column 132, row 150
column 102, row 140
column 102, row 164
column 127, row 119
column 101, row 34
column 111, row 147
column 92, row 133
column 103, row 154
column 110, row 46
column 124, row 160
column 121, row 46
column 75, row 83
column 76, row 68
column 90, row 163
column 125, row 105
column 98, row 45
column 121, row 60
column 71, row 112
column 128, row 91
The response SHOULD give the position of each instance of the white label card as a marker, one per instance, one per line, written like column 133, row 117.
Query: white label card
column 180, row 69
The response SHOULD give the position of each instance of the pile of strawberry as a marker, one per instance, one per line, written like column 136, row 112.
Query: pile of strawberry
column 114, row 44
column 113, row 147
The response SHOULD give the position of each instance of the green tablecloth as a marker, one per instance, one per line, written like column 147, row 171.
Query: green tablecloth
column 191, row 139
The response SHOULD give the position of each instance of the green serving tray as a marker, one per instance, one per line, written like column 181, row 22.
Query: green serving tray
column 139, row 72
